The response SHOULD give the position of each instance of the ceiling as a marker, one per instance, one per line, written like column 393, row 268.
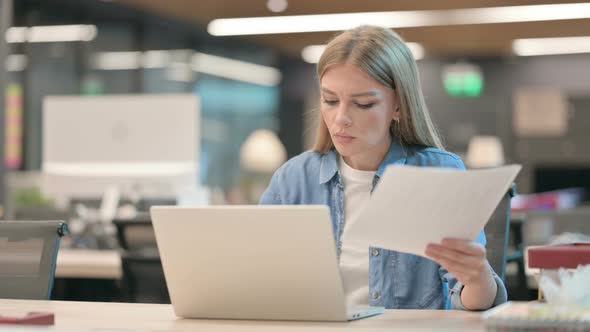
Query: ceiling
column 458, row 40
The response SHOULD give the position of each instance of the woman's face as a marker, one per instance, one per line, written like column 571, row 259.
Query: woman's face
column 358, row 112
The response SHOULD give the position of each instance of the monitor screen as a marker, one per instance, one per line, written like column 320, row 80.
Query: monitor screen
column 548, row 178
column 146, row 143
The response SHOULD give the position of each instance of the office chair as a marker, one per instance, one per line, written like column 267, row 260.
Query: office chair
column 28, row 254
column 143, row 275
column 135, row 233
column 497, row 232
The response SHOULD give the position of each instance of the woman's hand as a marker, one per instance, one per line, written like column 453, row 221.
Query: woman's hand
column 466, row 260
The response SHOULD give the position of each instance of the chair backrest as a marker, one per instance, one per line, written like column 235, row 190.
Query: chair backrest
column 497, row 231
column 28, row 253
column 136, row 233
column 143, row 275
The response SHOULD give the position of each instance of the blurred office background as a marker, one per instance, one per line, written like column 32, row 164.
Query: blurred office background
column 506, row 82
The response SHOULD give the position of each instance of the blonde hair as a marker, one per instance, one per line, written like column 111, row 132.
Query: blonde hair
column 383, row 55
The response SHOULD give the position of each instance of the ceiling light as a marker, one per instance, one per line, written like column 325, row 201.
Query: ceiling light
column 417, row 50
column 117, row 60
column 16, row 62
column 165, row 58
column 156, row 59
column 16, row 35
column 312, row 53
column 51, row 33
column 235, row 69
column 277, row 6
column 398, row 19
column 547, row 46
column 307, row 23
column 180, row 72
column 176, row 60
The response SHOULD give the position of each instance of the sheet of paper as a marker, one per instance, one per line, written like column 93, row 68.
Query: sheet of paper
column 413, row 206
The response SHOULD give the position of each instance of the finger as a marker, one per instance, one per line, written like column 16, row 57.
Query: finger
column 450, row 262
column 462, row 274
column 457, row 256
column 466, row 246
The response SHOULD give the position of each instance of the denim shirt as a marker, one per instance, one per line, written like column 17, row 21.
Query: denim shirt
column 396, row 280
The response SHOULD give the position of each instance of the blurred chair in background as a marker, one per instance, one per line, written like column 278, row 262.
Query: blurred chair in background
column 497, row 231
column 484, row 151
column 28, row 254
column 143, row 276
column 261, row 154
column 137, row 233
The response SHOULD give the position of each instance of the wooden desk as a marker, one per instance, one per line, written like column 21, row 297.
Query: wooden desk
column 88, row 264
column 86, row 316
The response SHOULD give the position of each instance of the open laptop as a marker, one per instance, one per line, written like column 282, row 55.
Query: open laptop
column 252, row 262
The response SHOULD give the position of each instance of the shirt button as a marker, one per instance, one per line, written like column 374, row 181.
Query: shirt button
column 375, row 295
column 375, row 252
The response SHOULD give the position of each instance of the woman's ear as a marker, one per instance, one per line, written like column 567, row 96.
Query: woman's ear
column 397, row 113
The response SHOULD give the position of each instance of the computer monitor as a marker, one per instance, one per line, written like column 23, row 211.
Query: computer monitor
column 145, row 144
column 563, row 176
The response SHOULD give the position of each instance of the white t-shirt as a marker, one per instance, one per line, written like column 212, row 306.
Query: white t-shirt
column 354, row 262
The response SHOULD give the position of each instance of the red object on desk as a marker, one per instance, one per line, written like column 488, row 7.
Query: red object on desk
column 567, row 256
column 31, row 318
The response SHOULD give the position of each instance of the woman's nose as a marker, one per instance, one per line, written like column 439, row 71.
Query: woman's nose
column 342, row 117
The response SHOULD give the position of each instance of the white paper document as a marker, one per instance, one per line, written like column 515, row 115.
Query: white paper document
column 414, row 206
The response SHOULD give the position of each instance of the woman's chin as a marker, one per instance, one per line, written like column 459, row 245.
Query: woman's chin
column 345, row 150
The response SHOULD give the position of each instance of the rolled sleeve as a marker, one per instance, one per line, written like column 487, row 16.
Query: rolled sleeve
column 457, row 288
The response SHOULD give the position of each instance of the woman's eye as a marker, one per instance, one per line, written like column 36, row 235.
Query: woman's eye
column 330, row 102
column 365, row 106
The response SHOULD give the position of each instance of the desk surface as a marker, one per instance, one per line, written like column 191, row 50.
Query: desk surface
column 96, row 316
column 88, row 264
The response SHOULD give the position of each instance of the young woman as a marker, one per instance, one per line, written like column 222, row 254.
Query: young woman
column 373, row 115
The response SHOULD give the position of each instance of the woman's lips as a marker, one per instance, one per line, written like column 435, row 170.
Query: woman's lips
column 343, row 138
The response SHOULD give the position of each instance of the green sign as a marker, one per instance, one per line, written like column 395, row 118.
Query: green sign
column 463, row 84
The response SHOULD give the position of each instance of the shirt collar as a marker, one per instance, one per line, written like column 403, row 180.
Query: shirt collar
column 329, row 162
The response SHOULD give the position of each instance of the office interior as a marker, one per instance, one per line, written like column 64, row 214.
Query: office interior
column 501, row 91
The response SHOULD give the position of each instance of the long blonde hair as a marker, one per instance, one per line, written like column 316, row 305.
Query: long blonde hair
column 383, row 55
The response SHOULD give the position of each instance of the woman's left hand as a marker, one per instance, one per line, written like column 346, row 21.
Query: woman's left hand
column 464, row 259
